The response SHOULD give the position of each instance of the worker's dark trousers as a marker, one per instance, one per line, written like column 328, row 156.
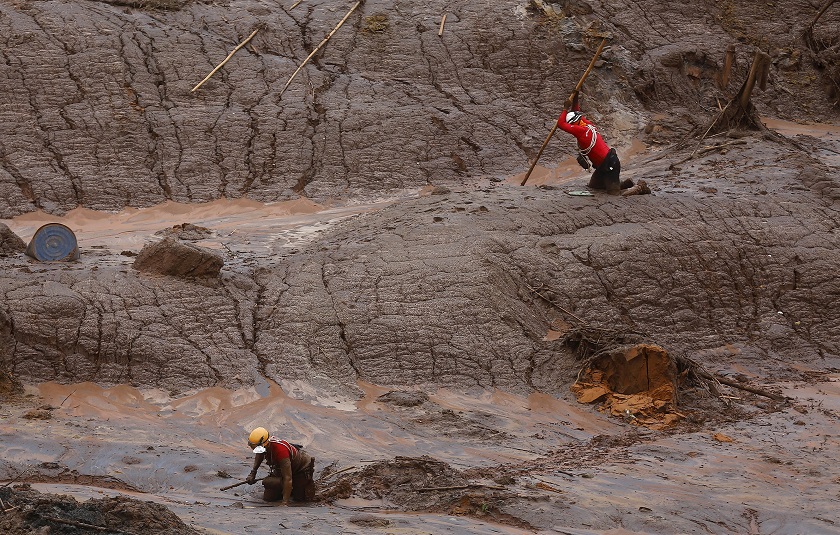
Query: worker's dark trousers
column 303, row 484
column 606, row 175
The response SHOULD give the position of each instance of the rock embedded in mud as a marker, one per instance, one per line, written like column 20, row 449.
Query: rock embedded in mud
column 404, row 399
column 172, row 257
column 186, row 232
column 10, row 243
column 9, row 386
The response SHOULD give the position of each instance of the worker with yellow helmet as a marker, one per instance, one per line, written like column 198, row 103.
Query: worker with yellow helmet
column 291, row 468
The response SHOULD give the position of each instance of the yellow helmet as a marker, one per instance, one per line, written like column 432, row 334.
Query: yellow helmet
column 258, row 437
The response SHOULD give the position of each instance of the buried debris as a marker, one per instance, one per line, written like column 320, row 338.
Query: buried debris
column 419, row 484
column 28, row 511
column 740, row 113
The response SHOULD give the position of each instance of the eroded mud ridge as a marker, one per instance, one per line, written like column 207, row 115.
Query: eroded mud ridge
column 98, row 108
column 454, row 290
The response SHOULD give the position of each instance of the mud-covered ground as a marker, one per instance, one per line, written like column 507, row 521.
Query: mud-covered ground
column 437, row 459
column 390, row 296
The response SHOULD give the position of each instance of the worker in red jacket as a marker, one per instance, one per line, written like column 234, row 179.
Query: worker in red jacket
column 593, row 150
column 291, row 468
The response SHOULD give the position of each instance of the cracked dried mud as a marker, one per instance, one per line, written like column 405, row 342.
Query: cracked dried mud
column 461, row 354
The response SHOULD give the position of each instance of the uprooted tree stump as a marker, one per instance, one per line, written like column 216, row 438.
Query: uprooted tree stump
column 825, row 52
column 740, row 113
column 639, row 382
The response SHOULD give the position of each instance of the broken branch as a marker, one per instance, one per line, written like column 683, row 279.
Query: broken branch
column 739, row 386
column 68, row 397
column 317, row 48
column 220, row 65
column 704, row 150
column 460, row 487
column 330, row 476
column 84, row 525
column 552, row 303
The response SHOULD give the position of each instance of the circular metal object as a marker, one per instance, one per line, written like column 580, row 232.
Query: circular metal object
column 53, row 242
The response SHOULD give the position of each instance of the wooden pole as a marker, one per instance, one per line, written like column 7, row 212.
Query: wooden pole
column 219, row 66
column 577, row 89
column 727, row 66
column 530, row 169
column 591, row 64
column 317, row 48
column 759, row 65
column 442, row 22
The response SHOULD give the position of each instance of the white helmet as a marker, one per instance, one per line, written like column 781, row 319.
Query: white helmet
column 573, row 116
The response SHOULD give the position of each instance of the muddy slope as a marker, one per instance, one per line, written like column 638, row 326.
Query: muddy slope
column 98, row 109
column 462, row 289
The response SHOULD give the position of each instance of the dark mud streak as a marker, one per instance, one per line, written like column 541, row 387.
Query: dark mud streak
column 342, row 327
column 42, row 132
column 260, row 305
column 156, row 161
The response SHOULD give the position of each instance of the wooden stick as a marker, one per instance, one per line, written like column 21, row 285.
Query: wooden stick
column 240, row 483
column 83, row 525
column 330, row 476
column 460, row 487
column 591, row 64
column 759, row 65
column 219, row 66
column 442, row 22
column 552, row 303
column 727, row 66
column 295, row 4
column 534, row 164
column 317, row 48
column 577, row 89
column 704, row 150
column 68, row 397
column 15, row 479
column 822, row 10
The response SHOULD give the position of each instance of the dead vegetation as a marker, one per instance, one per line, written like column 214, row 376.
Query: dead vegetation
column 26, row 511
column 824, row 44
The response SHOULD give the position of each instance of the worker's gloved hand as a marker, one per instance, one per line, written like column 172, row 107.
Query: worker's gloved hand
column 251, row 479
